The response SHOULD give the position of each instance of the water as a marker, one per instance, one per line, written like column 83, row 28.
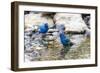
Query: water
column 52, row 51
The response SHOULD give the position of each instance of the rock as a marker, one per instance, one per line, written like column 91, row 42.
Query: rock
column 53, row 30
column 34, row 55
column 72, row 22
column 86, row 18
column 77, row 40
column 55, row 34
column 36, row 18
column 28, row 31
column 88, row 33
column 49, row 37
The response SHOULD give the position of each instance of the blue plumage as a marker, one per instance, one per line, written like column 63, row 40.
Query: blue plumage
column 43, row 28
column 64, row 39
column 66, row 44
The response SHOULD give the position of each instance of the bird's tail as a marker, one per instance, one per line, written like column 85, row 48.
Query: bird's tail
column 67, row 48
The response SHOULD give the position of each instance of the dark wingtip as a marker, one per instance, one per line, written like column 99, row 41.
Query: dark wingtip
column 71, row 44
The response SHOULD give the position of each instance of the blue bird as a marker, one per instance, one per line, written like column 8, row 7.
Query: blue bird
column 65, row 42
column 41, row 34
column 43, row 28
column 64, row 39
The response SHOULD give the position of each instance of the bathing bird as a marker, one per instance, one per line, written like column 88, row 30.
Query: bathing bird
column 65, row 41
column 41, row 33
column 43, row 28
